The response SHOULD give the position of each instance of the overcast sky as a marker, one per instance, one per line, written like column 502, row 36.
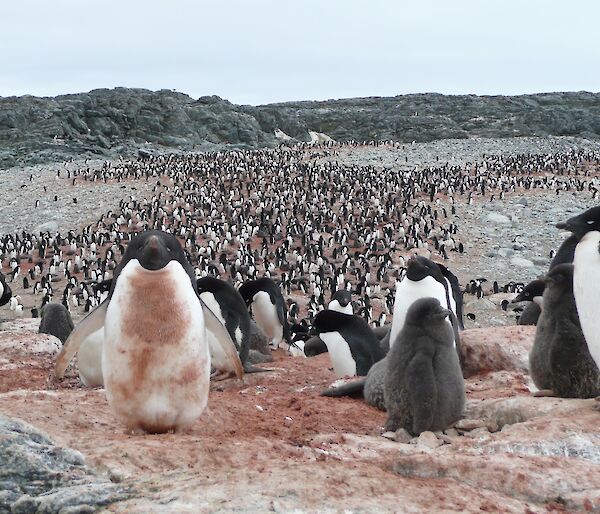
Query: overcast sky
column 265, row 51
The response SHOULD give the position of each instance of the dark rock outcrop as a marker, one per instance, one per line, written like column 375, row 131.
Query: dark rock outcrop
column 109, row 122
column 38, row 476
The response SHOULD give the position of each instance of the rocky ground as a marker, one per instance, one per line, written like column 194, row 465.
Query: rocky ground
column 272, row 443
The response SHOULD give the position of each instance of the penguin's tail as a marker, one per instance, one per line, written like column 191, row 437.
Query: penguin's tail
column 354, row 388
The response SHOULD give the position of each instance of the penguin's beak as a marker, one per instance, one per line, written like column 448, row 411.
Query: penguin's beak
column 576, row 225
column 154, row 254
column 518, row 298
column 445, row 313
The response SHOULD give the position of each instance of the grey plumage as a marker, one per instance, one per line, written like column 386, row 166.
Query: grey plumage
column 56, row 320
column 560, row 359
column 530, row 315
column 423, row 385
column 369, row 387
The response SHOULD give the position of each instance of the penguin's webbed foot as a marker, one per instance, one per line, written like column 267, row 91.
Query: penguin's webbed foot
column 219, row 375
column 544, row 393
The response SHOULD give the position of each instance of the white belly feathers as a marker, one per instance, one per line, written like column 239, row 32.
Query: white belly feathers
column 407, row 292
column 586, row 282
column 155, row 359
column 339, row 353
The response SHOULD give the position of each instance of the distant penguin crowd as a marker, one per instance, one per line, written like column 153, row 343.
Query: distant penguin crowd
column 321, row 257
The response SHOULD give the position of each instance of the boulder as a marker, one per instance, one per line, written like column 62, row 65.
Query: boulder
column 496, row 349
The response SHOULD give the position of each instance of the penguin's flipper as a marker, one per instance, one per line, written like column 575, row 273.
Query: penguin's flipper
column 223, row 353
column 91, row 323
column 354, row 388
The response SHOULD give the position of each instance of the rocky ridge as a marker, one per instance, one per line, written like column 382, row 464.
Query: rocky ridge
column 110, row 122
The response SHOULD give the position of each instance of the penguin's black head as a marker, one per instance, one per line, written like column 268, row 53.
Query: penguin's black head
column 420, row 267
column 155, row 249
column 6, row 294
column 583, row 223
column 425, row 311
column 343, row 296
column 329, row 321
column 530, row 291
column 209, row 284
column 244, row 290
column 560, row 276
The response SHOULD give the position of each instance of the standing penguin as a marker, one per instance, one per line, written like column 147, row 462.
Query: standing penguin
column 341, row 301
column 424, row 278
column 89, row 359
column 531, row 293
column 353, row 347
column 560, row 360
column 268, row 307
column 586, row 275
column 424, row 387
column 56, row 320
column 228, row 306
column 369, row 387
column 156, row 356
column 566, row 251
column 5, row 291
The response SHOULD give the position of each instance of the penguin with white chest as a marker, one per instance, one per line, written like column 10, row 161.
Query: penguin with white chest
column 586, row 275
column 5, row 291
column 427, row 279
column 352, row 346
column 268, row 308
column 156, row 355
column 227, row 304
column 341, row 301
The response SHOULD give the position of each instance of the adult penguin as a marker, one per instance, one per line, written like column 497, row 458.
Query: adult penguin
column 341, row 301
column 586, row 275
column 425, row 279
column 531, row 293
column 352, row 346
column 156, row 358
column 5, row 291
column 268, row 308
column 227, row 304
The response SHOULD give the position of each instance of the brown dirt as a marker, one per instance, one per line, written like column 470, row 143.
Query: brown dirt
column 267, row 443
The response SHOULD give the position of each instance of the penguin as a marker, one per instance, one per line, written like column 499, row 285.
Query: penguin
column 531, row 293
column 341, row 301
column 586, row 275
column 268, row 307
column 5, row 291
column 56, row 320
column 229, row 307
column 369, row 387
column 424, row 387
column 560, row 359
column 89, row 359
column 314, row 346
column 566, row 251
column 156, row 356
column 353, row 347
column 424, row 278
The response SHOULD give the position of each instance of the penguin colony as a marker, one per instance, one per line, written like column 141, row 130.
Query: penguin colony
column 290, row 235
